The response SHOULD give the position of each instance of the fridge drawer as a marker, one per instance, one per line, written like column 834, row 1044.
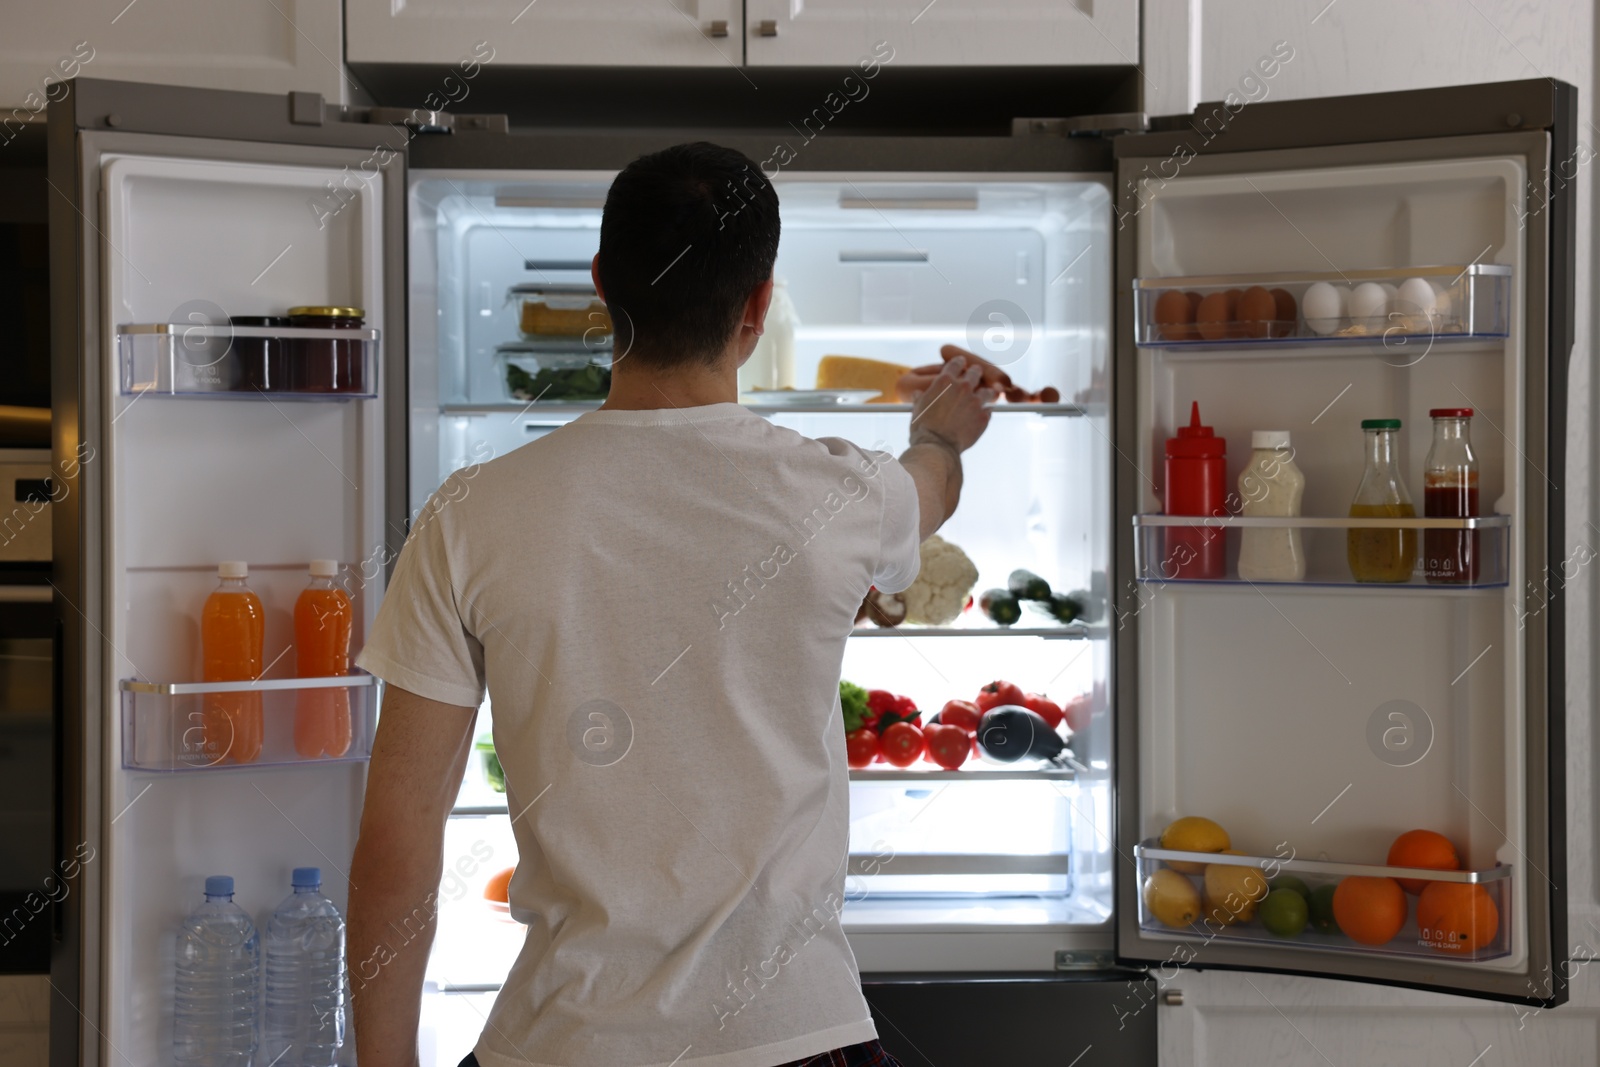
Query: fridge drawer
column 1097, row 1019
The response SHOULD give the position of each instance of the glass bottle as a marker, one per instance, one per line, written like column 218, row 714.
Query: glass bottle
column 1450, row 491
column 1378, row 555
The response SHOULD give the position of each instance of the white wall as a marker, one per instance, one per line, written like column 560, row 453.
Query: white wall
column 1198, row 50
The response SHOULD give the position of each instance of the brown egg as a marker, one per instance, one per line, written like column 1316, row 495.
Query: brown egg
column 1174, row 316
column 1255, row 312
column 1287, row 310
column 1215, row 316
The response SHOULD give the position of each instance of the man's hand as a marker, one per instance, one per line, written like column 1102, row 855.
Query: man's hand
column 946, row 419
column 952, row 407
column 418, row 757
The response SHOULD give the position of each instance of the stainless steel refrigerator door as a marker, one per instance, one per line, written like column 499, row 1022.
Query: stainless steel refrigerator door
column 94, row 120
column 1527, row 126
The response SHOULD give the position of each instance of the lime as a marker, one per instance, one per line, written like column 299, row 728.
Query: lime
column 1322, row 920
column 1289, row 881
column 1284, row 912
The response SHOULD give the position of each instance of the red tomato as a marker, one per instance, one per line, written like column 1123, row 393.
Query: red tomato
column 1077, row 712
column 948, row 746
column 905, row 706
column 902, row 744
column 997, row 693
column 962, row 713
column 1045, row 708
column 861, row 747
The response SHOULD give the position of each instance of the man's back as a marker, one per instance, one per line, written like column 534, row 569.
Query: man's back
column 659, row 602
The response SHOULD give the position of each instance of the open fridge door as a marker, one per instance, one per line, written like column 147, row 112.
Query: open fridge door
column 185, row 437
column 1351, row 679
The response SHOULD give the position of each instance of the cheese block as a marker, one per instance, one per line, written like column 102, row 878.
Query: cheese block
column 852, row 372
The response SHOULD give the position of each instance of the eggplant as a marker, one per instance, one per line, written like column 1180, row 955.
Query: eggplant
column 1000, row 606
column 1026, row 585
column 1010, row 733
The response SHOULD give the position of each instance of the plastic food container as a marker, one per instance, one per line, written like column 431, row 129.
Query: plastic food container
column 532, row 372
column 327, row 365
column 546, row 310
column 263, row 362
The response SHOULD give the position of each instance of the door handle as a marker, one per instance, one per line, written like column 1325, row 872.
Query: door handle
column 767, row 28
column 1172, row 998
column 718, row 28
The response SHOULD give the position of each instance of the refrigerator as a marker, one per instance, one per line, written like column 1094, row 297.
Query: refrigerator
column 1314, row 720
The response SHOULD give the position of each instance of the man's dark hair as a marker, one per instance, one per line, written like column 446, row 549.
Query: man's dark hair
column 688, row 233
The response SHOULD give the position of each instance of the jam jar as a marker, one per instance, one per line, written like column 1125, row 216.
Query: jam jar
column 327, row 364
column 263, row 362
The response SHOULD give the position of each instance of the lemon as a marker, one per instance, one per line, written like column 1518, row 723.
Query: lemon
column 1193, row 834
column 1232, row 893
column 1171, row 898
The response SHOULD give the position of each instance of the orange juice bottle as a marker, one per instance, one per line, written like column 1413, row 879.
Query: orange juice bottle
column 232, row 633
column 322, row 618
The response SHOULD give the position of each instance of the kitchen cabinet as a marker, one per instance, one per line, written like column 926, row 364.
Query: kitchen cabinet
column 603, row 33
column 269, row 46
column 947, row 33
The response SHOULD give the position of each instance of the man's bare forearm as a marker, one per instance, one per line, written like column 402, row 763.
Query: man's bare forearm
column 934, row 464
column 393, row 913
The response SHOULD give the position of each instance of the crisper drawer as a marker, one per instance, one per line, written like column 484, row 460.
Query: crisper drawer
column 1097, row 1019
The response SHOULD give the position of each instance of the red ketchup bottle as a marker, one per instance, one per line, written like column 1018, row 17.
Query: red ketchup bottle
column 1196, row 484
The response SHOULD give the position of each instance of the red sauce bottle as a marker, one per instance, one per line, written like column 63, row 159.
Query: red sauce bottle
column 1450, row 491
column 1196, row 484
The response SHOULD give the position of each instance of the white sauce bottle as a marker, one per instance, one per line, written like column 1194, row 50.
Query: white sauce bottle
column 1271, row 485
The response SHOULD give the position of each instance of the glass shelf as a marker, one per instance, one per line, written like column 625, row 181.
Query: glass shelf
column 1073, row 632
column 1205, row 550
column 973, row 770
column 269, row 722
column 1399, row 307
column 1409, row 941
column 575, row 408
column 248, row 362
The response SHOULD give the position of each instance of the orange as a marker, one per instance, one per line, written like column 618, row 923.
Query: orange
column 1422, row 848
column 499, row 887
column 1369, row 910
column 1457, row 917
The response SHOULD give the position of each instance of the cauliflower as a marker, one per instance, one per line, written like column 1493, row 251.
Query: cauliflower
column 943, row 584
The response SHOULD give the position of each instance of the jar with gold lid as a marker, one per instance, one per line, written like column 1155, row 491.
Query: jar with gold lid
column 327, row 364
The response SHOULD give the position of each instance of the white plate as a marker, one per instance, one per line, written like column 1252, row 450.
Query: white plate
column 807, row 397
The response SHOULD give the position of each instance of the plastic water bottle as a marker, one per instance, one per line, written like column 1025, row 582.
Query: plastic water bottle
column 305, row 977
column 217, row 1006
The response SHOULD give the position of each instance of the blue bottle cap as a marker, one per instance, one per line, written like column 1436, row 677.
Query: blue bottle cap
column 306, row 878
column 219, row 885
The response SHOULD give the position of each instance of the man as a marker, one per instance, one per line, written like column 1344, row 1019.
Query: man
column 657, row 597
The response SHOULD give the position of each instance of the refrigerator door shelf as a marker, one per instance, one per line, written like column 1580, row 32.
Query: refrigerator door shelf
column 1171, row 548
column 1444, row 946
column 1411, row 307
column 248, row 362
column 302, row 721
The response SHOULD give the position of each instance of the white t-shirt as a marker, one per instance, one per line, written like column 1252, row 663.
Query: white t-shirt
column 659, row 602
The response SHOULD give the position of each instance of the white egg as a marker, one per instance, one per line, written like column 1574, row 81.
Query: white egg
column 1368, row 304
column 1417, row 297
column 1323, row 307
